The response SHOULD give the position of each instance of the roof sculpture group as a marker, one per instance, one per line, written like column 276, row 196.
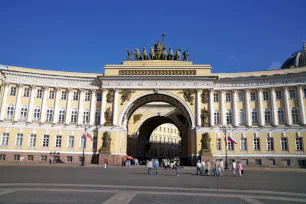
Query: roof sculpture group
column 159, row 52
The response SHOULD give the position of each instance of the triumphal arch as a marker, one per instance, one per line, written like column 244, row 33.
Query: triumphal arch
column 44, row 113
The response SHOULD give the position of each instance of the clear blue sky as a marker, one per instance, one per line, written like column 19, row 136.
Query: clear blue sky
column 83, row 36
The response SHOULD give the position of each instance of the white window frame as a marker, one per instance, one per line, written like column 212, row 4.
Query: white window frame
column 281, row 115
column 5, row 138
column 227, row 97
column 267, row 113
column 49, row 114
column 295, row 115
column 270, row 144
column 299, row 144
column 32, row 140
column 13, row 91
column 86, row 116
column 98, row 97
column 19, row 139
column 218, row 144
column 51, row 94
column 229, row 118
column 240, row 96
column 61, row 115
column 230, row 146
column 216, row 97
column 70, row 143
column 279, row 95
column 256, row 144
column 253, row 96
column 75, row 95
column 23, row 112
column 46, row 141
column 254, row 116
column 64, row 95
column 292, row 94
column 243, row 144
column 58, row 141
column 26, row 92
column 97, row 116
column 87, row 96
column 10, row 111
column 216, row 117
column 74, row 115
column 39, row 93
column 82, row 142
column 265, row 95
column 284, row 143
column 241, row 116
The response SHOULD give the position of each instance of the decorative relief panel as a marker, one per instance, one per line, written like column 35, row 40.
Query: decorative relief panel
column 157, row 72
column 188, row 95
column 108, row 115
column 205, row 96
column 110, row 96
column 126, row 95
column 137, row 117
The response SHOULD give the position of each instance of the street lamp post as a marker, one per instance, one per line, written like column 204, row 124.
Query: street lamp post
column 84, row 140
column 224, row 129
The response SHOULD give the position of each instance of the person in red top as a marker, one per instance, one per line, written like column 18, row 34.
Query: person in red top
column 105, row 163
column 240, row 168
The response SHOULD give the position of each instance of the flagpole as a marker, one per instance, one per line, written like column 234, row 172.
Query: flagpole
column 224, row 129
column 84, row 142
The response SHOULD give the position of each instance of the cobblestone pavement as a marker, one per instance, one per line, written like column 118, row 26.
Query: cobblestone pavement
column 50, row 184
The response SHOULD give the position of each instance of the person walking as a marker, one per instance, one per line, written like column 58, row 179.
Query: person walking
column 50, row 160
column 156, row 164
column 221, row 164
column 199, row 166
column 21, row 160
column 150, row 167
column 240, row 168
column 234, row 167
column 178, row 166
column 105, row 163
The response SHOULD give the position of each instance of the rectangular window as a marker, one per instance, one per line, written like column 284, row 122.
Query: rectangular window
column 39, row 93
column 284, row 144
column 26, row 92
column 227, row 97
column 241, row 117
column 258, row 162
column 240, row 96
column 51, row 94
column 292, row 94
column 75, row 95
column 58, row 142
column 32, row 142
column 5, row 139
column 278, row 95
column 256, row 144
column 99, row 96
column 13, row 91
column 253, row 96
column 243, row 144
column 2, row 157
column 254, row 117
column 46, row 141
column 64, row 95
column 299, row 143
column 71, row 141
column 69, row 159
column 265, row 95
column 16, row 157
column 270, row 145
column 49, row 115
column 19, row 139
column 97, row 117
column 87, row 96
column 30, row 157
column 43, row 158
column 83, row 144
column 216, row 97
column 230, row 146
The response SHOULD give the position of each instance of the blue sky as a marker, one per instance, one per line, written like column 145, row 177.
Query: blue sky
column 232, row 36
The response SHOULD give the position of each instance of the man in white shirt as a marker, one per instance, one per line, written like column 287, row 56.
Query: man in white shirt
column 234, row 167
column 203, row 167
column 199, row 166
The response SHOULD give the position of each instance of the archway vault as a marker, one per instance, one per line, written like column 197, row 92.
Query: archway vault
column 151, row 96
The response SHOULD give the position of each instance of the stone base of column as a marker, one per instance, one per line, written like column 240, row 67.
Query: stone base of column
column 115, row 160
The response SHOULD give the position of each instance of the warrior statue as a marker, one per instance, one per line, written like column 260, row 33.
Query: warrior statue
column 130, row 55
column 164, row 54
column 185, row 54
column 170, row 55
column 145, row 54
column 152, row 53
column 137, row 54
column 178, row 54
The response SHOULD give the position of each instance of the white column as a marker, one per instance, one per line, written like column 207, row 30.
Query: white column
column 235, row 111
column 274, row 109
column 211, row 107
column 57, row 95
column 260, row 110
column 222, row 111
column 301, row 105
column 115, row 104
column 3, row 105
column 103, row 101
column 198, row 107
column 287, row 109
column 247, row 108
column 80, row 111
column 67, row 117
column 29, row 119
column 17, row 105
column 92, row 107
column 43, row 107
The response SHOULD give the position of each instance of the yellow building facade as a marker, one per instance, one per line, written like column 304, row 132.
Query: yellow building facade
column 44, row 113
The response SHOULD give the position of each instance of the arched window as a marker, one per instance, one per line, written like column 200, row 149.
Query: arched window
column 10, row 111
column 61, row 115
column 49, row 114
column 74, row 114
column 281, row 116
column 36, row 113
column 295, row 115
column 267, row 116
column 241, row 116
column 216, row 117
column 86, row 116
column 254, row 116
column 23, row 112
column 228, row 117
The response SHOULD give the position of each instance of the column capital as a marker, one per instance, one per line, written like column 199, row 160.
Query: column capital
column 70, row 89
column 299, row 86
column 246, row 90
column 211, row 89
column 45, row 87
column 259, row 89
column 33, row 87
column 285, row 88
column 116, row 89
column 222, row 90
column 7, row 83
column 198, row 89
column 93, row 90
column 57, row 88
column 20, row 85
column 82, row 90
column 272, row 88
column 234, row 90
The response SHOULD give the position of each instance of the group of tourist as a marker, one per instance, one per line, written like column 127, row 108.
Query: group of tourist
column 154, row 164
column 204, row 168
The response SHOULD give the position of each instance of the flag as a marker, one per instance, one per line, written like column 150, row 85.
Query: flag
column 87, row 135
column 232, row 140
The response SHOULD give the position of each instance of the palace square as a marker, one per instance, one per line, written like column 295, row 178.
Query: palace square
column 155, row 105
